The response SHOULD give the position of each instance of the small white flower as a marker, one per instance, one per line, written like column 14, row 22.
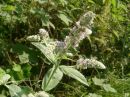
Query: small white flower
column 43, row 33
column 41, row 94
column 81, row 35
column 60, row 44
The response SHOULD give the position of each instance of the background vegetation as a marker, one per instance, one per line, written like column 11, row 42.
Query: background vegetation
column 23, row 66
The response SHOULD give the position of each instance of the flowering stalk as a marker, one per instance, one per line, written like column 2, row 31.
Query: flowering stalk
column 81, row 30
column 89, row 63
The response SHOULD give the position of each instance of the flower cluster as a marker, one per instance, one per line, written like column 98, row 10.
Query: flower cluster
column 89, row 63
column 39, row 94
column 81, row 30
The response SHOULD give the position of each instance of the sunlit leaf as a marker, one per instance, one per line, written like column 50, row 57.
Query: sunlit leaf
column 98, row 81
column 14, row 90
column 17, row 67
column 64, row 18
column 24, row 57
column 9, row 8
column 114, row 2
column 51, row 79
column 116, row 34
column 24, row 91
column 4, row 79
column 71, row 72
column 2, row 72
column 108, row 88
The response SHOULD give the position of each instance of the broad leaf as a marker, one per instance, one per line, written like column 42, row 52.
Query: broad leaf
column 24, row 91
column 97, row 81
column 74, row 74
column 14, row 90
column 9, row 8
column 108, row 88
column 4, row 79
column 51, row 79
column 17, row 67
column 64, row 18
column 24, row 58
column 25, row 54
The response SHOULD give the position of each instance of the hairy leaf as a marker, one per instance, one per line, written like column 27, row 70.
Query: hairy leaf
column 64, row 18
column 51, row 79
column 71, row 72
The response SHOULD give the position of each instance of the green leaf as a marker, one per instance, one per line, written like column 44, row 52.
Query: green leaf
column 97, row 81
column 47, row 50
column 24, row 91
column 24, row 58
column 51, row 79
column 25, row 54
column 52, row 25
column 2, row 72
column 14, row 90
column 71, row 72
column 116, row 34
column 114, row 3
column 4, row 79
column 9, row 8
column 2, row 95
column 108, row 88
column 91, row 1
column 45, row 20
column 17, row 72
column 64, row 18
column 17, row 68
column 26, row 70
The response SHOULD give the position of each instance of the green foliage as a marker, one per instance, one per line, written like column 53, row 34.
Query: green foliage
column 74, row 74
column 50, row 80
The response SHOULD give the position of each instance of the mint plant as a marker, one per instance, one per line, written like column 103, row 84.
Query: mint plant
column 55, row 51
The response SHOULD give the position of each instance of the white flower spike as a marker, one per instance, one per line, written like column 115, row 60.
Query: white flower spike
column 89, row 63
